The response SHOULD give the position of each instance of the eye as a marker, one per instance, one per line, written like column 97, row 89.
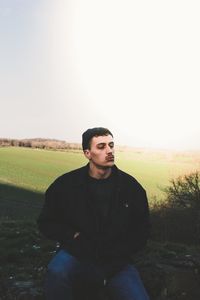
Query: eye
column 100, row 146
column 111, row 145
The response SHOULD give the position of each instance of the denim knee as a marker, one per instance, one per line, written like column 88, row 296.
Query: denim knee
column 127, row 285
column 61, row 266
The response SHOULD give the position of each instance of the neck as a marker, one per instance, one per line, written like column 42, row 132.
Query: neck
column 99, row 173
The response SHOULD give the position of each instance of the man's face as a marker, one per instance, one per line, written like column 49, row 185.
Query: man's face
column 101, row 152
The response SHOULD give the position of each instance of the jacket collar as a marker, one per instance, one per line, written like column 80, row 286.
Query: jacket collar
column 80, row 177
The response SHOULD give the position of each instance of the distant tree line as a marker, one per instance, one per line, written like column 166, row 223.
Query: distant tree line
column 39, row 143
column 54, row 144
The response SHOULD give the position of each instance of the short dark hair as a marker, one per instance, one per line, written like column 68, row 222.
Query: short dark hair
column 90, row 133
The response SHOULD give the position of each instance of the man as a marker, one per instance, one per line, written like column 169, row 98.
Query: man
column 99, row 215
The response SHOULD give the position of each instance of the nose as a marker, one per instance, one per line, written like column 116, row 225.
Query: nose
column 109, row 149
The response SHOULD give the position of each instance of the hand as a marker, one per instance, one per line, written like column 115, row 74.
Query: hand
column 76, row 235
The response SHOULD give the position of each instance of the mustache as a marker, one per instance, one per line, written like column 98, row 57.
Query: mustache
column 110, row 157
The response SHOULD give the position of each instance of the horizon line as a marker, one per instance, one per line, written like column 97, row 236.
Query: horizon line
column 152, row 148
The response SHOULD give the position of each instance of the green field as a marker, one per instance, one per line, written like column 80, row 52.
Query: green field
column 24, row 176
column 26, row 173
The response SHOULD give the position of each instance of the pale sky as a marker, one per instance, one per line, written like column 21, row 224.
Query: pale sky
column 131, row 66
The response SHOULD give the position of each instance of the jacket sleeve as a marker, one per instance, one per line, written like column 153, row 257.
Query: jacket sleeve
column 140, row 223
column 50, row 221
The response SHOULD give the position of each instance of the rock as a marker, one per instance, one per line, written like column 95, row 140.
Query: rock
column 23, row 284
column 183, row 284
column 167, row 282
column 24, row 290
column 167, row 276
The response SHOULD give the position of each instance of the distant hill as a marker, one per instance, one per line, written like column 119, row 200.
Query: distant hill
column 40, row 143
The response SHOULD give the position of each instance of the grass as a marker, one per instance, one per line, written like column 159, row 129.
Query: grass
column 24, row 176
column 24, row 256
column 155, row 169
column 33, row 170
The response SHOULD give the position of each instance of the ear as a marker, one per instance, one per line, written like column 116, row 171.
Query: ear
column 87, row 153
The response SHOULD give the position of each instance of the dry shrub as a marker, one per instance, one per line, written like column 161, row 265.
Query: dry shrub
column 178, row 218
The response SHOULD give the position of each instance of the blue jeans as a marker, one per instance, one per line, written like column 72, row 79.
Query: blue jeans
column 67, row 276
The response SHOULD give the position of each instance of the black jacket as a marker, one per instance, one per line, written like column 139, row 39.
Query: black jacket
column 66, row 211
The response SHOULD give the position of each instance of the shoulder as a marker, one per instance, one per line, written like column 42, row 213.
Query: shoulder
column 129, row 180
column 130, row 186
column 72, row 177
